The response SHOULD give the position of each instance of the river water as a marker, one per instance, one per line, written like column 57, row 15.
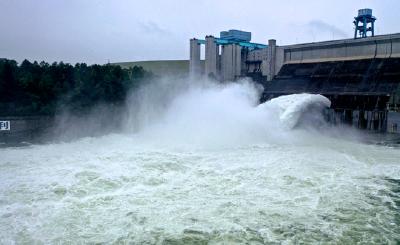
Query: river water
column 205, row 165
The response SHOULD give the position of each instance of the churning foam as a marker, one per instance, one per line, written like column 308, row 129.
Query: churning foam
column 143, row 187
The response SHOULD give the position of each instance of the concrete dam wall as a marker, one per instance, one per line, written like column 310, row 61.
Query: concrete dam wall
column 385, row 46
column 362, row 91
column 376, row 76
column 360, row 76
column 378, row 47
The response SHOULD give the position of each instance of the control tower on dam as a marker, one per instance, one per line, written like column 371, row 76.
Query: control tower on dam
column 361, row 76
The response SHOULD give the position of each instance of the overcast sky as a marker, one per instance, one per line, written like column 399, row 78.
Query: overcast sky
column 98, row 31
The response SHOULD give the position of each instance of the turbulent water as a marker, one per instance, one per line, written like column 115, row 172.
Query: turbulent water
column 205, row 165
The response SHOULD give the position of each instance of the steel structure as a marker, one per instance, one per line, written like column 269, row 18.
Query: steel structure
column 367, row 23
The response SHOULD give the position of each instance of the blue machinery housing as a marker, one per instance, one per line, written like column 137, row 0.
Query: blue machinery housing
column 241, row 38
column 221, row 41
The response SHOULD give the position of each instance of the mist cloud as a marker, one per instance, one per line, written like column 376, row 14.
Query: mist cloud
column 318, row 26
column 151, row 27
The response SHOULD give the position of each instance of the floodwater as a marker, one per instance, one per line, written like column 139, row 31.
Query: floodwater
column 205, row 166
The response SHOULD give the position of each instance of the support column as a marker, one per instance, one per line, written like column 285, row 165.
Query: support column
column 194, row 63
column 385, row 121
column 211, row 57
column 375, row 120
column 348, row 117
column 238, row 61
column 230, row 62
column 271, row 59
column 362, row 121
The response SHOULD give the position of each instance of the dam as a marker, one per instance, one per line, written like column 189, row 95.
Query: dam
column 180, row 161
column 361, row 76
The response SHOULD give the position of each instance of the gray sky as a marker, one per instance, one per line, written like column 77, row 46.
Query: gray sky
column 95, row 31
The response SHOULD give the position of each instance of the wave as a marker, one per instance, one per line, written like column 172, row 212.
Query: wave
column 291, row 108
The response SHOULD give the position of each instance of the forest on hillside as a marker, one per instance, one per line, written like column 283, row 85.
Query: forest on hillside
column 33, row 88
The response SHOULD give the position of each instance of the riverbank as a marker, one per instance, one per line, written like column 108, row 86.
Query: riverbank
column 25, row 128
column 39, row 129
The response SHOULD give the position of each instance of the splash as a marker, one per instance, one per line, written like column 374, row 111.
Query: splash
column 292, row 108
column 206, row 113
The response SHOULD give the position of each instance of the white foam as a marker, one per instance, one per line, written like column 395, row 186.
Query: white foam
column 292, row 107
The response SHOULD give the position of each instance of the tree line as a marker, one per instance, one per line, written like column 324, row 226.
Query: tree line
column 45, row 89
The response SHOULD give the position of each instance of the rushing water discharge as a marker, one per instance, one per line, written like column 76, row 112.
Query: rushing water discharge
column 205, row 164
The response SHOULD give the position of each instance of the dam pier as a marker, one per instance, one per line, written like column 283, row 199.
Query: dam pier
column 360, row 76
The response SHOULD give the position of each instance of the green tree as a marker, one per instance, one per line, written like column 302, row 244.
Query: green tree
column 41, row 88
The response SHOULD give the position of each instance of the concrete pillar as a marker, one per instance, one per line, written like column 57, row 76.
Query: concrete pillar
column 385, row 121
column 280, row 59
column 375, row 120
column 238, row 60
column 348, row 117
column 362, row 120
column 230, row 62
column 271, row 59
column 194, row 63
column 211, row 57
column 226, row 63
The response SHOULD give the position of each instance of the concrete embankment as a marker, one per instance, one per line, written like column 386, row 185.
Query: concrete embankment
column 36, row 129
column 25, row 128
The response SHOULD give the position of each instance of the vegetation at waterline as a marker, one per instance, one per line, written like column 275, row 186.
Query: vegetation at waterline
column 45, row 89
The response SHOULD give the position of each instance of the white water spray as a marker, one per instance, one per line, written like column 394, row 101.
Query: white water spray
column 206, row 113
column 203, row 163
